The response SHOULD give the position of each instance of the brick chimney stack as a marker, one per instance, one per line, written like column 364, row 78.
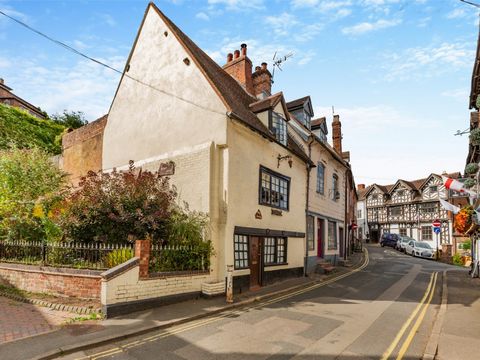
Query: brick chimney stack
column 262, row 81
column 337, row 134
column 239, row 66
column 361, row 187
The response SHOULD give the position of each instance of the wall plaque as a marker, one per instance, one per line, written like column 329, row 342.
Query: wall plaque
column 258, row 215
column 166, row 168
column 277, row 212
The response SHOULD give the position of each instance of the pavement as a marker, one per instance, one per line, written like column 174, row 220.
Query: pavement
column 20, row 320
column 459, row 335
column 87, row 334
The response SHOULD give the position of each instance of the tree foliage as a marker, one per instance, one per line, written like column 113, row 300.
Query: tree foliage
column 21, row 130
column 119, row 206
column 30, row 188
column 70, row 119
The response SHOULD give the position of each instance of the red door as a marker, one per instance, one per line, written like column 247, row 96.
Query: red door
column 255, row 262
column 320, row 238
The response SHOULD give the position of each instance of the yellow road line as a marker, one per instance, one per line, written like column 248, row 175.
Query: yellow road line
column 213, row 319
column 417, row 324
column 395, row 341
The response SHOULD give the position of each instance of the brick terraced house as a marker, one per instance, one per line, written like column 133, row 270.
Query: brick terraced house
column 7, row 97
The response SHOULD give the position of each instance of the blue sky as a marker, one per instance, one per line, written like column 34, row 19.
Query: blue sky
column 396, row 71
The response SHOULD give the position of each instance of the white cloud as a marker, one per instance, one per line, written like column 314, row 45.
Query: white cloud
column 456, row 13
column 366, row 27
column 428, row 61
column 281, row 24
column 108, row 19
column 457, row 94
column 308, row 32
column 85, row 86
column 238, row 5
column 202, row 16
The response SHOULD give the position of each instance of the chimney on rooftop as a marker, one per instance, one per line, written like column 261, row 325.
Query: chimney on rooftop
column 337, row 134
column 240, row 68
column 1, row 81
column 262, row 80
column 361, row 187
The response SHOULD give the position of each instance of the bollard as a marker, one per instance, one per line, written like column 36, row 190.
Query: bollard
column 229, row 289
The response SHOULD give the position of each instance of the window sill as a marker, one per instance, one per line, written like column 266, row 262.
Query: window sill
column 273, row 265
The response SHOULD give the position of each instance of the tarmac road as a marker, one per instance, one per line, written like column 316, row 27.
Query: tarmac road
column 384, row 311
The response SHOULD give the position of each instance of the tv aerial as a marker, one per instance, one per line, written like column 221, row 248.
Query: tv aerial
column 277, row 62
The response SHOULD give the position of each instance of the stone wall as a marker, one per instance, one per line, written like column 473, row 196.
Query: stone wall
column 55, row 281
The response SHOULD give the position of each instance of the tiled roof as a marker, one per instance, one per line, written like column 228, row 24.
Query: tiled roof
column 297, row 102
column 318, row 122
column 236, row 99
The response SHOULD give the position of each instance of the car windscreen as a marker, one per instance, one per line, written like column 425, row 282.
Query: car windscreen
column 422, row 245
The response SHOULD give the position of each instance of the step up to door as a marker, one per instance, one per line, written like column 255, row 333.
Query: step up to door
column 324, row 268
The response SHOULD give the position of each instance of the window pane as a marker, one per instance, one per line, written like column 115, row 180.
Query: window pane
column 320, row 178
column 332, row 235
column 311, row 232
column 241, row 251
column 274, row 190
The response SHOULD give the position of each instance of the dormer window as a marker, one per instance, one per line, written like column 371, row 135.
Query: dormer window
column 279, row 128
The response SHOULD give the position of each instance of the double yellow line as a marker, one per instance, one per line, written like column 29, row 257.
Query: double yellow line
column 422, row 308
column 199, row 323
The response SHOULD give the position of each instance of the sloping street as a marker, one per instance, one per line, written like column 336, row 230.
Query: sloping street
column 385, row 310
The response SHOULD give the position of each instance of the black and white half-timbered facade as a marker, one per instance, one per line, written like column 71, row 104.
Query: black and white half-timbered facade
column 409, row 208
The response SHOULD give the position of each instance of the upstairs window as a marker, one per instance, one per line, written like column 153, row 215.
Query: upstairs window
column 433, row 189
column 274, row 189
column 335, row 192
column 279, row 128
column 320, row 178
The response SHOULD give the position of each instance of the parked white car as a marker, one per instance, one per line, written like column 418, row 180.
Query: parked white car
column 420, row 249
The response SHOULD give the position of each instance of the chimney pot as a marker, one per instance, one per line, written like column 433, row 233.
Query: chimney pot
column 257, row 68
column 236, row 54
column 244, row 49
column 361, row 186
column 229, row 57
column 1, row 81
column 264, row 66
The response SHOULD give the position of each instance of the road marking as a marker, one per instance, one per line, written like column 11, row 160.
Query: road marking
column 417, row 324
column 199, row 323
column 402, row 330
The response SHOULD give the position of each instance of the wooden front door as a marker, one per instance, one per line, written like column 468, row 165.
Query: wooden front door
column 255, row 262
column 320, row 238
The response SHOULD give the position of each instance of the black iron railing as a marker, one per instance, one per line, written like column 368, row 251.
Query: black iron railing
column 92, row 255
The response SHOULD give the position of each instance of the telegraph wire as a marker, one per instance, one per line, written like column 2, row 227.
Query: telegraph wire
column 98, row 62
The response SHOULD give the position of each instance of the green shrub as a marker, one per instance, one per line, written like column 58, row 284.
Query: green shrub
column 117, row 257
column 31, row 187
column 22, row 130
column 457, row 259
column 119, row 206
column 469, row 182
column 467, row 245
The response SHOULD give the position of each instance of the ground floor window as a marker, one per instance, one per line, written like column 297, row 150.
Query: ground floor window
column 426, row 233
column 241, row 251
column 275, row 250
column 310, row 232
column 403, row 232
column 332, row 235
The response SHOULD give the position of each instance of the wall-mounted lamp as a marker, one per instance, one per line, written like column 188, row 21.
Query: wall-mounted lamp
column 286, row 157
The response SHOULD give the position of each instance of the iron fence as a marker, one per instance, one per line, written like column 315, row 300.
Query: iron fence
column 92, row 255
column 175, row 258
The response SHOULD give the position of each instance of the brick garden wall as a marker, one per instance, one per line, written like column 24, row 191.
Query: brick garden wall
column 56, row 281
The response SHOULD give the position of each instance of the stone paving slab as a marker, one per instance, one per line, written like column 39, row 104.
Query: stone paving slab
column 20, row 320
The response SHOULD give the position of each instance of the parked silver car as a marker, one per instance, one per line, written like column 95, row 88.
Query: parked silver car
column 402, row 242
column 420, row 249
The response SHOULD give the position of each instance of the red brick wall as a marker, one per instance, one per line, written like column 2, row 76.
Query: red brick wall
column 82, row 149
column 75, row 283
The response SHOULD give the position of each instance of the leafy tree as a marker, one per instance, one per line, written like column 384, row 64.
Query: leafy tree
column 31, row 186
column 70, row 119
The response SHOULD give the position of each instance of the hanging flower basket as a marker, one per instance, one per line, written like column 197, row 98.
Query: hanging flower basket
column 471, row 168
column 463, row 220
column 469, row 182
column 475, row 136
